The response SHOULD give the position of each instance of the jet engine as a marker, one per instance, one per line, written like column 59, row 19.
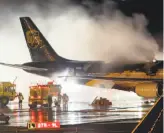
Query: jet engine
column 148, row 90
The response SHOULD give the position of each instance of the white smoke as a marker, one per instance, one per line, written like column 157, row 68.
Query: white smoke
column 74, row 34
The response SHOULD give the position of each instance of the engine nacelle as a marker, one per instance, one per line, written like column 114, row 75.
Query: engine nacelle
column 147, row 90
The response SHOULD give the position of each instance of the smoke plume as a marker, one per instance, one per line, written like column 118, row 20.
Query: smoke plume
column 88, row 32
column 95, row 33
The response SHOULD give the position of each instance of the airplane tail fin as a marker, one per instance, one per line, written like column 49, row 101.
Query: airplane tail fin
column 153, row 121
column 39, row 48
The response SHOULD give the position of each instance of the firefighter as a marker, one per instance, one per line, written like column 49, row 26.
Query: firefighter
column 65, row 101
column 49, row 101
column 55, row 102
column 59, row 99
column 67, row 98
column 20, row 98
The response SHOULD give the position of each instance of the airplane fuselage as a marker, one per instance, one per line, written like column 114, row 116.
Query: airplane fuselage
column 58, row 67
column 87, row 67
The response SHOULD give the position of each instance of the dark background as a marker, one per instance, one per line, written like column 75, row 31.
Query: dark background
column 152, row 10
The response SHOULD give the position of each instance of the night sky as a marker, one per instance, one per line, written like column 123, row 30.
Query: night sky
column 152, row 9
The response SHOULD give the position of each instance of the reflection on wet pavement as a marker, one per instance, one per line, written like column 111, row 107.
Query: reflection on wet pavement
column 76, row 113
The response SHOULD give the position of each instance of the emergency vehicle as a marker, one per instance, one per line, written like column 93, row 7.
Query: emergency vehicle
column 42, row 94
column 7, row 92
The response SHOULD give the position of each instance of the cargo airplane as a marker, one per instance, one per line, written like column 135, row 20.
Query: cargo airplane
column 46, row 62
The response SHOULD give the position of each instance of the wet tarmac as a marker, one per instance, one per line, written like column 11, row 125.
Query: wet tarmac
column 76, row 113
column 105, row 127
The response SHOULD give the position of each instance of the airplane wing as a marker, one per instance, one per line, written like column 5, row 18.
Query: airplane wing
column 24, row 67
column 114, row 78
